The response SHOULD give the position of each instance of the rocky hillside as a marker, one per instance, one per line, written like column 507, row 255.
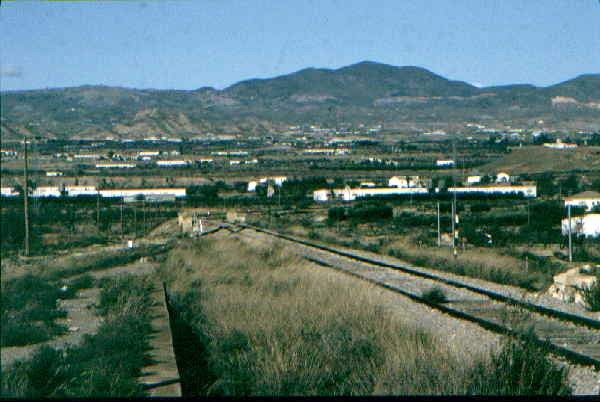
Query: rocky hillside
column 366, row 92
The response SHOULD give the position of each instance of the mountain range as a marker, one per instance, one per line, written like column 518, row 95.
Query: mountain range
column 366, row 92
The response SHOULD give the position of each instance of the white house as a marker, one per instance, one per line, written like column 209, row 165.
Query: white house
column 86, row 156
column 403, row 181
column 148, row 153
column 133, row 192
column 322, row 195
column 115, row 165
column 74, row 191
column 473, row 180
column 54, row 173
column 350, row 194
column 587, row 225
column 279, row 180
column 444, row 163
column 172, row 163
column 367, row 184
column 252, row 186
column 587, row 199
column 529, row 191
column 8, row 192
column 502, row 177
column 234, row 162
column 559, row 145
column 46, row 191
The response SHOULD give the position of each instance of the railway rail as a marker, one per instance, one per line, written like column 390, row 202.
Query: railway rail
column 574, row 337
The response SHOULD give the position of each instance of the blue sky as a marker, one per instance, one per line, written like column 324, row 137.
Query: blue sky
column 190, row 44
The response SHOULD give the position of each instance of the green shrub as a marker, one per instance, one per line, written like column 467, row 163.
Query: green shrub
column 105, row 364
column 520, row 368
column 591, row 295
column 29, row 310
column 435, row 295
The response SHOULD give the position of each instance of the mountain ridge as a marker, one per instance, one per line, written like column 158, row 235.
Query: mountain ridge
column 365, row 92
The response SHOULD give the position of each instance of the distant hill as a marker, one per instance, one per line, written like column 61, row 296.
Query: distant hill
column 365, row 92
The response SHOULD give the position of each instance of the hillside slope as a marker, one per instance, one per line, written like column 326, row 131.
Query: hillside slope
column 365, row 92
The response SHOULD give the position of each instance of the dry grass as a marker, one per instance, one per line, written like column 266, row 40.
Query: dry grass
column 477, row 263
column 274, row 327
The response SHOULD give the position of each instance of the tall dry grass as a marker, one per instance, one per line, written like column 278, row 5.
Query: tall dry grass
column 477, row 263
column 273, row 326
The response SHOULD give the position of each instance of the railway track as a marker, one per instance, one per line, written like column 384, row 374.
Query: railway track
column 574, row 337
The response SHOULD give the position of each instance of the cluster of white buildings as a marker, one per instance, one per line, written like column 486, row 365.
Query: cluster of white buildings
column 277, row 180
column 326, row 151
column 351, row 194
column 588, row 224
column 76, row 191
column 409, row 185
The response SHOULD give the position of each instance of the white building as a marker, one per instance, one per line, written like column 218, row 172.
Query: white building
column 172, row 163
column 147, row 192
column 529, row 191
column 322, row 195
column 234, row 162
column 559, row 145
column 351, row 194
column 115, row 165
column 148, row 153
column 444, row 163
column 403, row 181
column 8, row 192
column 367, row 184
column 473, row 180
column 86, row 156
column 587, row 225
column 587, row 199
column 502, row 177
column 279, row 180
column 74, row 191
column 54, row 173
column 46, row 191
column 252, row 186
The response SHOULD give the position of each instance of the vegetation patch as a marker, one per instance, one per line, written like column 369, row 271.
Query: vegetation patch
column 435, row 295
column 30, row 308
column 591, row 294
column 103, row 365
column 269, row 325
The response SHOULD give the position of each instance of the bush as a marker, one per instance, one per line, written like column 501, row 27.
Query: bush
column 591, row 295
column 434, row 295
column 29, row 309
column 106, row 364
column 520, row 368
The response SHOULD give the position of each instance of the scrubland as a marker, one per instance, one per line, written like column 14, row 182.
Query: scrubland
column 269, row 323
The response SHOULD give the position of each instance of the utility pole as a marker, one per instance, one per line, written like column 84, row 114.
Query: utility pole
column 26, row 199
column 570, row 242
column 454, row 216
column 135, row 228
column 122, row 224
column 144, row 214
column 98, row 210
column 439, row 234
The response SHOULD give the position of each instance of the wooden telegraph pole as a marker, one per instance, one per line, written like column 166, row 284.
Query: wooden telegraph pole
column 439, row 234
column 570, row 231
column 26, row 199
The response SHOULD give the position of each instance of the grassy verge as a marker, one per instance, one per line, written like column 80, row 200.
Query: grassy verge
column 269, row 325
column 30, row 308
column 103, row 365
